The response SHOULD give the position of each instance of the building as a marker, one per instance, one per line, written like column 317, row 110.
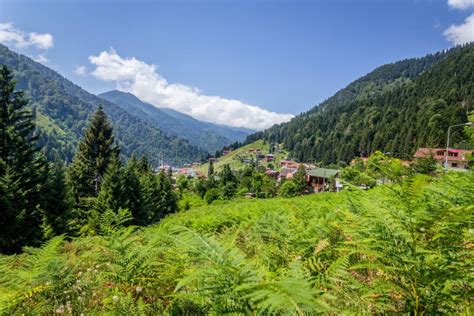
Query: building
column 322, row 179
column 287, row 173
column 457, row 158
column 269, row 157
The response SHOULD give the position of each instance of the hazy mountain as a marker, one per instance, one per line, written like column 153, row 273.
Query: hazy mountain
column 63, row 108
column 206, row 135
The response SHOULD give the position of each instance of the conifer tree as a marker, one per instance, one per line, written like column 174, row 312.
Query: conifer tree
column 92, row 158
column 22, row 170
column 119, row 189
column 299, row 179
column 56, row 202
column 210, row 171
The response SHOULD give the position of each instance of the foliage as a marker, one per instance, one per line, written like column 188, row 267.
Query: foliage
column 402, row 248
column 92, row 158
column 289, row 189
column 23, row 171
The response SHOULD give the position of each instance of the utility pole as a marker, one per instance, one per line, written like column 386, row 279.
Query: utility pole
column 447, row 142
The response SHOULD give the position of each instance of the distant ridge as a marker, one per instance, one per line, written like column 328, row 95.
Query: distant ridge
column 208, row 136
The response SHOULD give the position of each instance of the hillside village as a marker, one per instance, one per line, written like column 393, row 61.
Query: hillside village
column 278, row 166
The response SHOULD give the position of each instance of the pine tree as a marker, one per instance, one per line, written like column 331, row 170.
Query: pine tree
column 210, row 171
column 299, row 179
column 22, row 170
column 120, row 189
column 92, row 158
column 56, row 203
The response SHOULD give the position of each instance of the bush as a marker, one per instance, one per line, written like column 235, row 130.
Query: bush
column 289, row 189
column 212, row 195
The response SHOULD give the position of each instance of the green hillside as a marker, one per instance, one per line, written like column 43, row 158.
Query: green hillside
column 400, row 249
column 234, row 159
column 396, row 108
column 63, row 108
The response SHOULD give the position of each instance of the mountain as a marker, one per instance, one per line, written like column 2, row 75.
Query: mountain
column 206, row 135
column 396, row 108
column 62, row 110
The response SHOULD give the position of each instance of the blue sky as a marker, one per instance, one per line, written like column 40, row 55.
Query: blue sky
column 281, row 56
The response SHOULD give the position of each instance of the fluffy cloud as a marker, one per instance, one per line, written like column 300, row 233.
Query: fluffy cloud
column 143, row 80
column 463, row 33
column 80, row 71
column 11, row 35
column 461, row 4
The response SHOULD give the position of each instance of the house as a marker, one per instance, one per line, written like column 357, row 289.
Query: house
column 272, row 173
column 226, row 152
column 289, row 164
column 322, row 179
column 269, row 157
column 213, row 159
column 457, row 158
column 287, row 173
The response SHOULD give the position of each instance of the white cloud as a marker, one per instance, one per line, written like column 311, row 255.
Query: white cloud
column 463, row 33
column 80, row 71
column 11, row 35
column 41, row 41
column 143, row 80
column 41, row 58
column 461, row 4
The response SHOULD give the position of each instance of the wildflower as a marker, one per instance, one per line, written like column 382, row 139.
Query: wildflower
column 115, row 298
column 298, row 257
column 60, row 309
column 139, row 289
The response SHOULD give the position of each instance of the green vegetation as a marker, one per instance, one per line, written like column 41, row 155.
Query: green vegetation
column 396, row 108
column 402, row 248
column 235, row 158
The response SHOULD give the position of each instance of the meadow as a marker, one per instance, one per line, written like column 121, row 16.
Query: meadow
column 399, row 248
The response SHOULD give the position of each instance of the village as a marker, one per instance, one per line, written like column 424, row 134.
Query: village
column 279, row 167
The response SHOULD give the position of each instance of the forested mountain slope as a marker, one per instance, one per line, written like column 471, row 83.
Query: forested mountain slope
column 395, row 108
column 208, row 136
column 62, row 110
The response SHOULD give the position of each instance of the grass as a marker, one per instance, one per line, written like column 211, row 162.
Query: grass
column 233, row 160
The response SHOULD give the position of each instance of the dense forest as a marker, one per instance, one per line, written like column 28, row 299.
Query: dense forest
column 62, row 110
column 207, row 136
column 396, row 108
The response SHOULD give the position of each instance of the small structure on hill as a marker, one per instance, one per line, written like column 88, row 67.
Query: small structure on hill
column 457, row 158
column 269, row 157
column 322, row 179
